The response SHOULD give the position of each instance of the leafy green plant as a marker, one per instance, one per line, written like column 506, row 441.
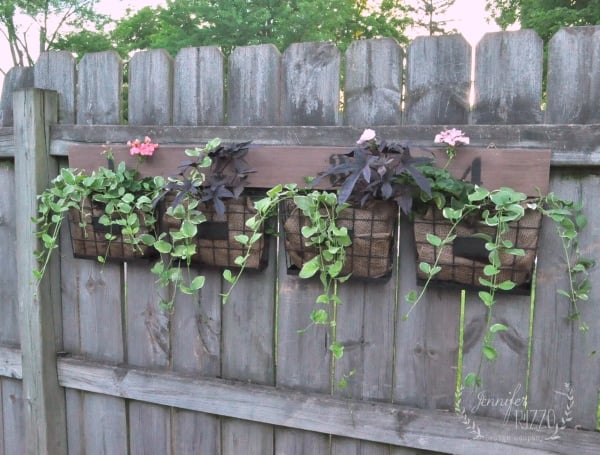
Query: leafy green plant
column 498, row 210
column 123, row 198
column 214, row 174
column 371, row 171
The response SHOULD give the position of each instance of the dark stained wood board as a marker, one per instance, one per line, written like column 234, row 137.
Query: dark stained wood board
column 526, row 170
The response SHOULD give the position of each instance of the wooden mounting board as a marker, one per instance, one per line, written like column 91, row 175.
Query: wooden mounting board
column 526, row 170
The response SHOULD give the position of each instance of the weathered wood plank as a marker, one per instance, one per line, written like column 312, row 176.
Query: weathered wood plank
column 372, row 96
column 150, row 103
column 56, row 71
column 560, row 351
column 508, row 90
column 100, row 89
column 9, row 322
column 39, row 320
column 303, row 359
column 7, row 144
column 371, row 421
column 198, row 90
column 248, row 350
column 254, row 83
column 573, row 76
column 150, row 89
column 148, row 345
column 12, row 417
column 10, row 362
column 17, row 78
column 438, row 81
column 311, row 84
column 195, row 349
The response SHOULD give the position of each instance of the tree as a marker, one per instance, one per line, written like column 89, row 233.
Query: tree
column 230, row 23
column 428, row 13
column 49, row 17
column 546, row 17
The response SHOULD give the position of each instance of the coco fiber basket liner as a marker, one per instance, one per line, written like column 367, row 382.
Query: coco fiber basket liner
column 463, row 261
column 89, row 241
column 371, row 229
column 215, row 242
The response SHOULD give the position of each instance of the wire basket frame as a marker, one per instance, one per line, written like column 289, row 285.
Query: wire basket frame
column 463, row 261
column 372, row 231
column 216, row 245
column 88, row 236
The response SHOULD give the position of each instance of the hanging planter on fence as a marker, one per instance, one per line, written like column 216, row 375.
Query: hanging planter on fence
column 371, row 229
column 463, row 260
column 215, row 240
column 93, row 238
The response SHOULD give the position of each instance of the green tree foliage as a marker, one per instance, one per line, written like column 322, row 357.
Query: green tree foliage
column 546, row 17
column 428, row 16
column 230, row 23
column 50, row 17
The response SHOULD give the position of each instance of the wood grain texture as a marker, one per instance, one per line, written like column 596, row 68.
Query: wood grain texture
column 198, row 92
column 100, row 89
column 56, row 71
column 254, row 82
column 372, row 96
column 311, row 84
column 16, row 78
column 150, row 89
column 438, row 81
column 39, row 303
column 508, row 78
column 372, row 421
column 9, row 322
column 573, row 78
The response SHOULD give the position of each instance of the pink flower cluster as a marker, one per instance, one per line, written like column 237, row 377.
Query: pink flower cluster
column 451, row 137
column 145, row 148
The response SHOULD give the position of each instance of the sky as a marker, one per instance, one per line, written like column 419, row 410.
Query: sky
column 467, row 16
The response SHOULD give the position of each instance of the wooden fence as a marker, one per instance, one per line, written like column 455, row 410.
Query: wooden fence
column 89, row 364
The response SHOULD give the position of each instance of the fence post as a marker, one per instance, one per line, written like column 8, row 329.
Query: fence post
column 39, row 305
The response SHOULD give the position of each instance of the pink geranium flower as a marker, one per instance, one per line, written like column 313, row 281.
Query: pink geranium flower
column 145, row 148
column 452, row 137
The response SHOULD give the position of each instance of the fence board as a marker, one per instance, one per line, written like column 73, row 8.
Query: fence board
column 150, row 98
column 438, row 81
column 198, row 91
column 56, row 71
column 254, row 83
column 508, row 78
column 574, row 76
column 39, row 321
column 12, row 420
column 372, row 421
column 9, row 322
column 372, row 96
column 311, row 84
column 100, row 89
column 16, row 78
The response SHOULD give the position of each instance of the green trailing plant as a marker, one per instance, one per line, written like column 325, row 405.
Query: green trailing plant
column 371, row 171
column 461, row 202
column 212, row 174
column 124, row 200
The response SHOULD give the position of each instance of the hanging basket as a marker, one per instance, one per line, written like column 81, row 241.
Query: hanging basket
column 216, row 245
column 462, row 261
column 88, row 236
column 371, row 230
